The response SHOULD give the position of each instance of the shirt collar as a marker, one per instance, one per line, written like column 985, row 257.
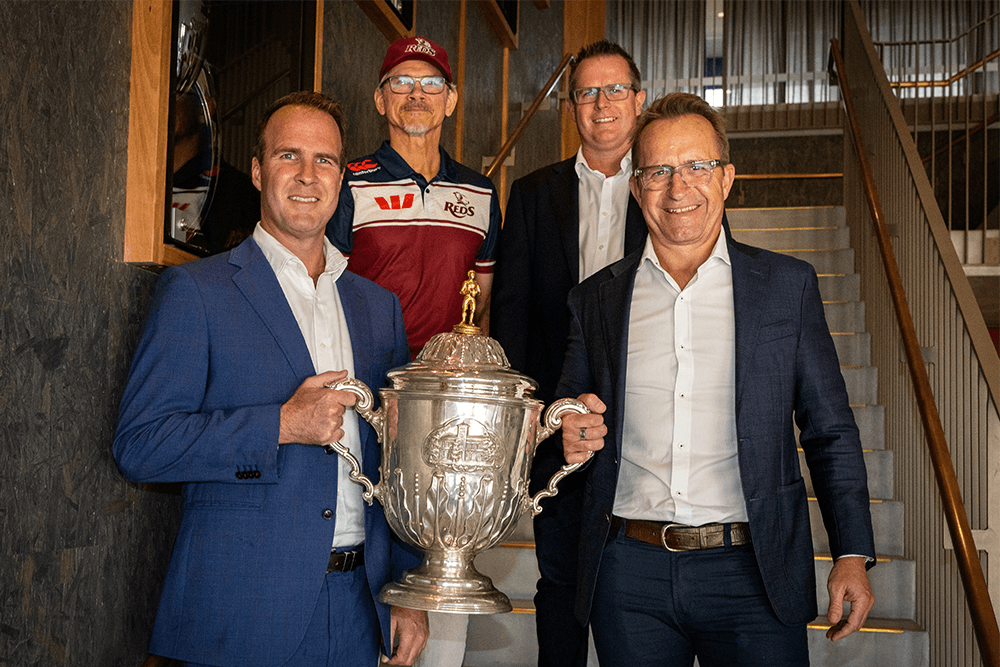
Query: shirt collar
column 398, row 168
column 280, row 257
column 720, row 251
column 582, row 166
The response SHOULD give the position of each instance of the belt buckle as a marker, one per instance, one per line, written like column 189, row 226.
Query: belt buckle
column 349, row 560
column 663, row 536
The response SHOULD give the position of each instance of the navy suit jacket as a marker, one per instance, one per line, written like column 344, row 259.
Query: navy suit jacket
column 220, row 352
column 786, row 366
column 538, row 263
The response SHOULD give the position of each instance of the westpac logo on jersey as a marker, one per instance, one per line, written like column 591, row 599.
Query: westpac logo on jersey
column 461, row 207
column 394, row 203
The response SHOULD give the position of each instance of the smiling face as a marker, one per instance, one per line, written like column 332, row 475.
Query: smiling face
column 415, row 113
column 606, row 126
column 682, row 217
column 299, row 175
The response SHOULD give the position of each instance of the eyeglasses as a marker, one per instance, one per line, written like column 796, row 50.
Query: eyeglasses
column 613, row 92
column 694, row 174
column 403, row 84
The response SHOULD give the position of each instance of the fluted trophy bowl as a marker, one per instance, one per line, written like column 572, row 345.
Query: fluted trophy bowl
column 458, row 429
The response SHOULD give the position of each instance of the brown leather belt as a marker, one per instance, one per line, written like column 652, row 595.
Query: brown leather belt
column 678, row 537
column 346, row 561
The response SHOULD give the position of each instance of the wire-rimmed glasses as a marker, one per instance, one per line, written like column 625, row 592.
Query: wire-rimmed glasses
column 694, row 174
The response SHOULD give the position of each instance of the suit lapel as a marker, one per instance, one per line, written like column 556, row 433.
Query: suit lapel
column 750, row 277
column 257, row 282
column 361, row 329
column 635, row 227
column 564, row 196
column 615, row 301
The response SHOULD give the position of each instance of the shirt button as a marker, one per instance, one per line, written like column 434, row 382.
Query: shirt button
column 327, row 514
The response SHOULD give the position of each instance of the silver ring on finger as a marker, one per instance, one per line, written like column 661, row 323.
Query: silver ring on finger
column 583, row 433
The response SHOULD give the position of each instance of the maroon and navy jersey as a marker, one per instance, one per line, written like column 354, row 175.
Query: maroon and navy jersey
column 416, row 238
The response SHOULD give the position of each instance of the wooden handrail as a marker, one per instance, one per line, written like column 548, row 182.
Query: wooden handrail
column 977, row 594
column 952, row 79
column 508, row 145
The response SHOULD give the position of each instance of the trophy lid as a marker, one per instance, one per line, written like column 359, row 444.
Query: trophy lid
column 463, row 360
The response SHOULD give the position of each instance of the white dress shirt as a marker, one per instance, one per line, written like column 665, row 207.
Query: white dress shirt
column 679, row 446
column 603, row 207
column 320, row 316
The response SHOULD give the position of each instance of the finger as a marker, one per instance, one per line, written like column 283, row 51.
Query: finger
column 594, row 403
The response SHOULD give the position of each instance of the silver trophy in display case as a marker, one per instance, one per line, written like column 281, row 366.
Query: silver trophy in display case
column 458, row 429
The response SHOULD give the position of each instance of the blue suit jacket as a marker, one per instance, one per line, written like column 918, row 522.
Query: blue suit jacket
column 220, row 353
column 786, row 366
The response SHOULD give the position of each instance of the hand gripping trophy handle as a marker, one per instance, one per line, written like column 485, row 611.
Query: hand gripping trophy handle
column 552, row 423
column 374, row 417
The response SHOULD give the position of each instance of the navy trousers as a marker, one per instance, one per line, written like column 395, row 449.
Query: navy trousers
column 662, row 608
column 562, row 641
column 344, row 629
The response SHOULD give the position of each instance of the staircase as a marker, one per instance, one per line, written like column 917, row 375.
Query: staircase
column 890, row 637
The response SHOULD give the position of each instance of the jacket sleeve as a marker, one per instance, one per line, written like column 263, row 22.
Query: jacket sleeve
column 829, row 436
column 164, row 433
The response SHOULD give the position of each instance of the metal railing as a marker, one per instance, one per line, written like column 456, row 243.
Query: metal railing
column 939, row 378
column 546, row 90
column 950, row 92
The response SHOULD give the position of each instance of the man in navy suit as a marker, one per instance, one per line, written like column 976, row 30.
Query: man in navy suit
column 563, row 223
column 277, row 561
column 695, row 355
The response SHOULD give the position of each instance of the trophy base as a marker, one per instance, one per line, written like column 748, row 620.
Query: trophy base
column 423, row 588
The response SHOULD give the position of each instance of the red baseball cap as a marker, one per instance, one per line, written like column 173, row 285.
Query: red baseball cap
column 415, row 48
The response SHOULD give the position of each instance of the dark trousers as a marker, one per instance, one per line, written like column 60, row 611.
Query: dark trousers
column 562, row 641
column 344, row 629
column 655, row 607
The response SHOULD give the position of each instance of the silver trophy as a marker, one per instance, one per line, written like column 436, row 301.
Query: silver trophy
column 458, row 430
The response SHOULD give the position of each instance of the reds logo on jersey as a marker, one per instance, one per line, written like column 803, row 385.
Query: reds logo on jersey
column 461, row 207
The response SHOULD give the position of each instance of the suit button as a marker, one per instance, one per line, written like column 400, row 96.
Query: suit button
column 256, row 474
column 327, row 514
column 239, row 475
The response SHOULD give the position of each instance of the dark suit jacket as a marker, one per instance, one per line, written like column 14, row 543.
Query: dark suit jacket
column 220, row 353
column 538, row 262
column 786, row 366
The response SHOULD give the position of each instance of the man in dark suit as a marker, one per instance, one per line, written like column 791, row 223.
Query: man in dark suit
column 277, row 561
column 702, row 350
column 563, row 223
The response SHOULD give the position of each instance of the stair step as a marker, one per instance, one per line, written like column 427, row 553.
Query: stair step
column 887, row 524
column 893, row 581
column 845, row 316
column 881, row 643
column 826, row 261
column 765, row 218
column 879, row 466
column 862, row 384
column 853, row 349
column 843, row 287
column 871, row 424
column 795, row 238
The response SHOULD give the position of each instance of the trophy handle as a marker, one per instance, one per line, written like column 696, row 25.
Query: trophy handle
column 374, row 417
column 553, row 421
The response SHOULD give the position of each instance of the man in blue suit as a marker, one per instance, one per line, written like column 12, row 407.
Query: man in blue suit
column 277, row 561
column 695, row 355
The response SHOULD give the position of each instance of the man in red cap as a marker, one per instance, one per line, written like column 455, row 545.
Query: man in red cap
column 416, row 222
column 411, row 218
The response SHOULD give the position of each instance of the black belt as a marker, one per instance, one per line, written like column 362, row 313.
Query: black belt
column 346, row 561
column 678, row 537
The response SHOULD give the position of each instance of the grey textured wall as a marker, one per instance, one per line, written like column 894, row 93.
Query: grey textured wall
column 82, row 553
